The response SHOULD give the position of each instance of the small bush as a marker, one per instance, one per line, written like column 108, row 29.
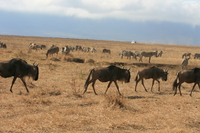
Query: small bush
column 115, row 101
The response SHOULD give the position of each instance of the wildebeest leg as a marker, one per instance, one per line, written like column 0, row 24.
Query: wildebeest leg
column 192, row 89
column 117, row 87
column 143, row 85
column 158, row 85
column 12, row 83
column 93, row 87
column 24, row 84
column 152, row 85
column 137, row 81
column 108, row 86
column 86, row 86
column 179, row 87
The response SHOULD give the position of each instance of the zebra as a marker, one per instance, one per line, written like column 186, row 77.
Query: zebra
column 3, row 45
column 128, row 54
column 148, row 54
column 93, row 50
column 196, row 56
column 186, row 55
column 65, row 50
column 160, row 53
column 184, row 63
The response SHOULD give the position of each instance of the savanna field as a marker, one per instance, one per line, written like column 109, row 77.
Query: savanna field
column 55, row 102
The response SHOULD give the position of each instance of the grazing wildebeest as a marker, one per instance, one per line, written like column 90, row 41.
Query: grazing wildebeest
column 186, row 55
column 128, row 54
column 151, row 73
column 65, row 50
column 106, row 51
column 188, row 76
column 3, row 45
column 196, row 56
column 110, row 73
column 184, row 63
column 52, row 51
column 19, row 69
column 148, row 54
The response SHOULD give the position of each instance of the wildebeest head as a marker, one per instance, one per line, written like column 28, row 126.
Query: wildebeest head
column 164, row 76
column 34, row 73
column 125, row 75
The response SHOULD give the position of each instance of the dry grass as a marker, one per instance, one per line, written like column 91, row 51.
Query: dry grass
column 56, row 104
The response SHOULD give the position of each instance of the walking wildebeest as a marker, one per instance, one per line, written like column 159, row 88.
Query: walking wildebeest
column 110, row 73
column 188, row 76
column 106, row 51
column 19, row 69
column 151, row 73
column 148, row 54
column 52, row 51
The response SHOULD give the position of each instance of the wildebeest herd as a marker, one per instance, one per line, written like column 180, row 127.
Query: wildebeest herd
column 19, row 68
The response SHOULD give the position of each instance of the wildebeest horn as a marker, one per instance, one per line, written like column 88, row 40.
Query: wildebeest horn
column 34, row 64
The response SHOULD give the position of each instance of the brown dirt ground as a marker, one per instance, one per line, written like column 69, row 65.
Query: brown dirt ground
column 56, row 104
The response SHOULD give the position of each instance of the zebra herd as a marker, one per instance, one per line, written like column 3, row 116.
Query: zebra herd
column 136, row 54
column 67, row 49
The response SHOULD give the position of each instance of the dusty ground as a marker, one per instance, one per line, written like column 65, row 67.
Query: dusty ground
column 56, row 104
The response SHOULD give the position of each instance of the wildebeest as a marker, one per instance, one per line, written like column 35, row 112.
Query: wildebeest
column 106, row 51
column 19, row 69
column 151, row 73
column 52, row 51
column 184, row 63
column 110, row 73
column 128, row 54
column 148, row 54
column 186, row 55
column 188, row 76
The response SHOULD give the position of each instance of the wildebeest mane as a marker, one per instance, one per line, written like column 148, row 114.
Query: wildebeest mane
column 111, row 67
column 19, row 67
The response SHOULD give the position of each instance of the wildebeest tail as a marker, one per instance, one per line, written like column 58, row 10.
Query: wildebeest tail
column 136, row 78
column 88, row 78
column 175, row 82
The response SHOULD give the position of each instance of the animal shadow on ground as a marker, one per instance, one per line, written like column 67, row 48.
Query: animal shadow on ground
column 135, row 97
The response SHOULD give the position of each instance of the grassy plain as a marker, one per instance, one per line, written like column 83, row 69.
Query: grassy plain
column 56, row 104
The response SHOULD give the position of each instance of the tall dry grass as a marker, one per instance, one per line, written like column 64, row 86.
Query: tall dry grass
column 56, row 104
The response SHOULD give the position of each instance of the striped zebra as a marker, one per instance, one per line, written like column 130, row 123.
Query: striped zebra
column 196, row 56
column 184, row 63
column 148, row 54
column 186, row 55
column 128, row 54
